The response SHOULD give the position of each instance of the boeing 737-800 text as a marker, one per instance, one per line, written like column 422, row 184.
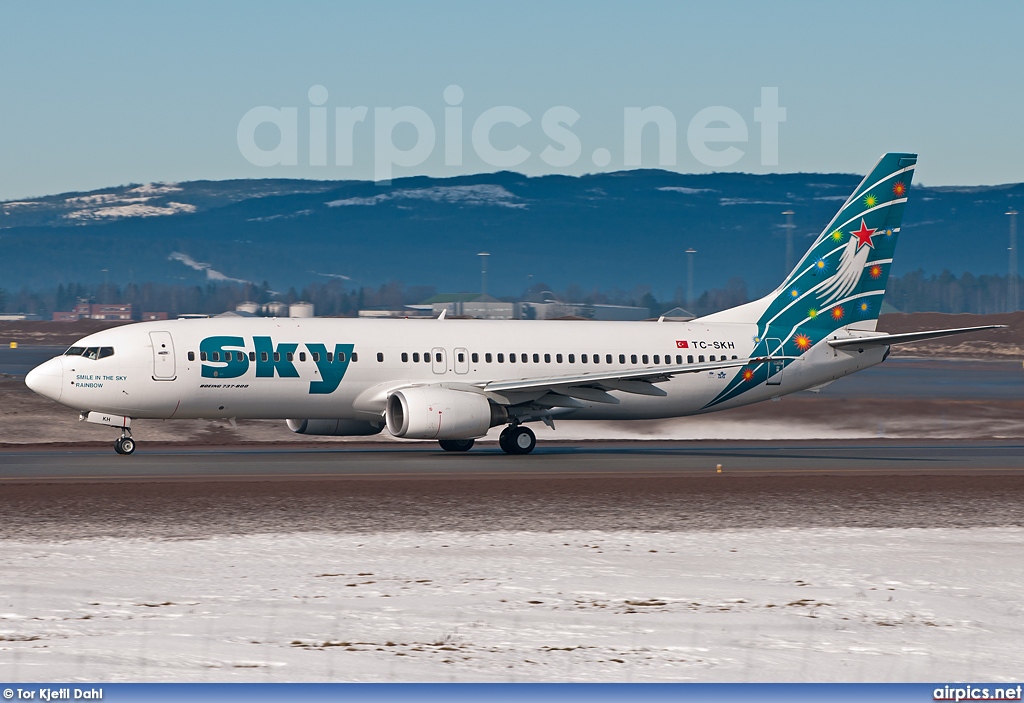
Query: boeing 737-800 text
column 452, row 380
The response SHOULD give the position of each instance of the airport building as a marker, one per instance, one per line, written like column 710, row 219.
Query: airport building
column 127, row 312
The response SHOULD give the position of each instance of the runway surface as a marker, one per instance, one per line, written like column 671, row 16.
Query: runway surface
column 426, row 460
column 614, row 486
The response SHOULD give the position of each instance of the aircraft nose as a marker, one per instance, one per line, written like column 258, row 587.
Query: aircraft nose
column 47, row 379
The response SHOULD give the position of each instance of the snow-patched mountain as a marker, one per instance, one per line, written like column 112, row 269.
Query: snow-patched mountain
column 607, row 230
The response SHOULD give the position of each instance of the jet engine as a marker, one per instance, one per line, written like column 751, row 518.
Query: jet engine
column 337, row 428
column 441, row 413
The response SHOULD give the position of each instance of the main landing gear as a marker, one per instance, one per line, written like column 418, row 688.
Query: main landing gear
column 125, row 444
column 456, row 445
column 516, row 439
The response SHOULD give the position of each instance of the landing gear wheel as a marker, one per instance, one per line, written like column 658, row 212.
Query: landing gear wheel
column 456, row 445
column 517, row 440
column 124, row 445
column 503, row 439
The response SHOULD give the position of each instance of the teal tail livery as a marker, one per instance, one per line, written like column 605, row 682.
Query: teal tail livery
column 452, row 381
column 840, row 281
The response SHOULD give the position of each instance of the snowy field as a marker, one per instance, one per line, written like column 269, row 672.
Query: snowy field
column 770, row 604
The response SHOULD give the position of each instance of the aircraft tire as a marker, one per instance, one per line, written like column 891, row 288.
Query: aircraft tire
column 117, row 445
column 127, row 445
column 456, row 445
column 518, row 440
column 504, row 440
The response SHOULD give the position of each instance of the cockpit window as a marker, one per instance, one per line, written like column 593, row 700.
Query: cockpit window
column 90, row 352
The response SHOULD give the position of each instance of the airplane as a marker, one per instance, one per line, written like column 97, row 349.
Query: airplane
column 451, row 381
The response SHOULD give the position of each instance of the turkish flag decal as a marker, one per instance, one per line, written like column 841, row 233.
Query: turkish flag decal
column 680, row 344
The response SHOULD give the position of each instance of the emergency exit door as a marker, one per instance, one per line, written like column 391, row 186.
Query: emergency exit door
column 163, row 356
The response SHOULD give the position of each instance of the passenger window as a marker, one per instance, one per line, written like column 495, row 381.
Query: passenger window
column 558, row 358
column 405, row 357
column 75, row 351
column 501, row 358
column 264, row 356
column 597, row 358
column 355, row 356
column 290, row 356
column 607, row 358
column 689, row 358
column 572, row 358
column 583, row 358
column 416, row 357
column 202, row 356
column 622, row 358
column 632, row 358
column 645, row 359
column 302, row 356
column 657, row 359
column 475, row 357
column 734, row 356
column 330, row 357
column 511, row 358
column 380, row 356
column 316, row 356
column 437, row 357
column 679, row 358
column 277, row 356
column 191, row 356
column 487, row 357
column 536, row 358
column 215, row 356
column 341, row 357
column 547, row 358
column 700, row 358
column 252, row 356
column 462, row 357
column 711, row 358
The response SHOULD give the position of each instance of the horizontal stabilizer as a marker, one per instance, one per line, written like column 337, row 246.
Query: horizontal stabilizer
column 884, row 340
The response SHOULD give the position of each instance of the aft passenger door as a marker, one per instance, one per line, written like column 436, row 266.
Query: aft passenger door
column 439, row 360
column 461, row 360
column 163, row 356
column 775, row 366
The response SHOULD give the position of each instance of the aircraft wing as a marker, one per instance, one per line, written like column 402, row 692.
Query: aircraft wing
column 888, row 339
column 564, row 390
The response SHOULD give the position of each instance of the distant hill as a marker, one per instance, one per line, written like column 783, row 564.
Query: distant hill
column 608, row 230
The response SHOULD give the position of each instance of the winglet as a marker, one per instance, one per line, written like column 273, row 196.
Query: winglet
column 443, row 313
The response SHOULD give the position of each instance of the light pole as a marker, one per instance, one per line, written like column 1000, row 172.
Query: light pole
column 789, row 242
column 483, row 273
column 1012, row 288
column 689, row 278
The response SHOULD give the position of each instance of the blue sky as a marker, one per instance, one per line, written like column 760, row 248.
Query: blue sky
column 106, row 93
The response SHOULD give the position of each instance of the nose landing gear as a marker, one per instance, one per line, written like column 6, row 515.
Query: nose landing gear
column 516, row 439
column 125, row 444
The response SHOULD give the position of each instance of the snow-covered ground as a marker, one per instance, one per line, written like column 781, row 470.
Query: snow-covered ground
column 842, row 604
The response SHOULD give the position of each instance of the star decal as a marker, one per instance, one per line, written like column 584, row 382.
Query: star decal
column 838, row 312
column 837, row 235
column 802, row 341
column 875, row 271
column 864, row 235
column 898, row 189
column 748, row 374
column 871, row 200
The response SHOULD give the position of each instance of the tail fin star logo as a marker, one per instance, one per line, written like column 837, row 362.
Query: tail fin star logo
column 898, row 189
column 864, row 235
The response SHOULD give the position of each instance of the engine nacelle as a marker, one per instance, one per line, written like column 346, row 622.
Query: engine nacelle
column 441, row 413
column 336, row 428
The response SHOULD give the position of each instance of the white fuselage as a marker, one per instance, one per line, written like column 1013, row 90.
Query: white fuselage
column 155, row 369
